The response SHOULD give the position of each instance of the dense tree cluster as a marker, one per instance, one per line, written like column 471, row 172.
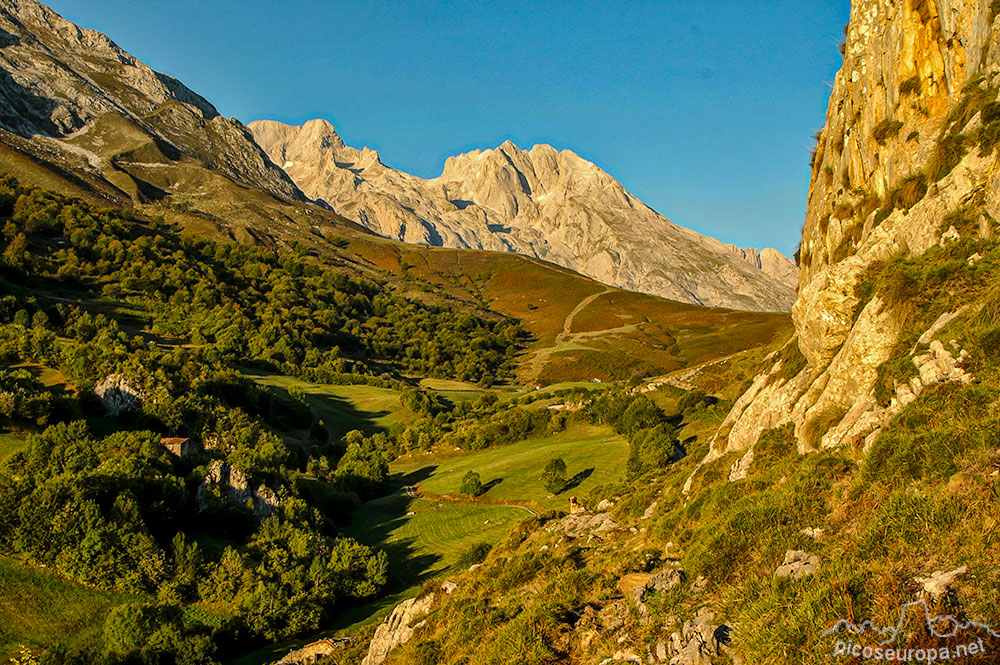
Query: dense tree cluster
column 23, row 398
column 95, row 294
column 652, row 435
column 180, row 323
column 241, row 303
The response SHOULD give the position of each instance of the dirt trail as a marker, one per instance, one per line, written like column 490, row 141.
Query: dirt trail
column 565, row 338
column 580, row 306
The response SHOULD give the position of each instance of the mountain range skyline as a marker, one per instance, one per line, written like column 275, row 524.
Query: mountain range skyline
column 699, row 117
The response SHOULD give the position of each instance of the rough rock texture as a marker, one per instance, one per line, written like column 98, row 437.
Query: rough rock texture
column 583, row 523
column 236, row 488
column 397, row 629
column 771, row 261
column 118, row 394
column 77, row 92
column 659, row 582
column 698, row 641
column 906, row 64
column 545, row 203
column 798, row 564
column 314, row 652
column 939, row 582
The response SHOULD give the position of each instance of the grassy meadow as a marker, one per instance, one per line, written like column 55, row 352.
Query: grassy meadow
column 345, row 408
column 594, row 456
column 581, row 329
column 38, row 607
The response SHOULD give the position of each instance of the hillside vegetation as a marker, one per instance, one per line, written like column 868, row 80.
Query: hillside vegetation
column 921, row 501
column 296, row 381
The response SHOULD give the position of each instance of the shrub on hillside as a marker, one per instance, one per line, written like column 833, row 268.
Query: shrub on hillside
column 472, row 485
column 554, row 476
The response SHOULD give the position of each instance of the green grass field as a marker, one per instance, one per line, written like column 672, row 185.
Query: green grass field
column 37, row 607
column 431, row 539
column 453, row 391
column 11, row 442
column 345, row 408
column 594, row 452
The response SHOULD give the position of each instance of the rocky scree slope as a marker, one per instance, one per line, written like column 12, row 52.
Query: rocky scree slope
column 904, row 168
column 545, row 203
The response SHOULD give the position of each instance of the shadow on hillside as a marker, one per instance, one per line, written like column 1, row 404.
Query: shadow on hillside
column 339, row 414
column 376, row 520
column 575, row 481
column 413, row 477
column 490, row 485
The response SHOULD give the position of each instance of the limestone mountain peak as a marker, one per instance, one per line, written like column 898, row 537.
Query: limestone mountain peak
column 547, row 203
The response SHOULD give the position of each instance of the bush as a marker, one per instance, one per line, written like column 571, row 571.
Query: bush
column 908, row 192
column 950, row 151
column 472, row 485
column 554, row 476
column 820, row 424
column 886, row 130
column 910, row 86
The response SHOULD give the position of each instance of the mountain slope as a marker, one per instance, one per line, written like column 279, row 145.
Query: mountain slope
column 541, row 202
column 748, row 550
column 73, row 101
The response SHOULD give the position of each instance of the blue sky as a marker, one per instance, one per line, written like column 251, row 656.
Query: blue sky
column 705, row 109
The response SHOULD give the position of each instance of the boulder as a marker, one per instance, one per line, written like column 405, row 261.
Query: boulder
column 939, row 582
column 797, row 565
column 237, row 489
column 314, row 652
column 696, row 642
column 584, row 522
column 613, row 616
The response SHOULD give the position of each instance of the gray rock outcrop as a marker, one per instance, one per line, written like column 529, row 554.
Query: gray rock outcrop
column 798, row 565
column 542, row 202
column 314, row 652
column 397, row 629
column 698, row 641
column 583, row 523
column 235, row 486
column 118, row 394
column 75, row 92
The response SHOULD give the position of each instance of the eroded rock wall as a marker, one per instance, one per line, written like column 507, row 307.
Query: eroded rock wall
column 887, row 172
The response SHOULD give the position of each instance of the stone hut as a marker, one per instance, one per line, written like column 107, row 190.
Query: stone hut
column 180, row 446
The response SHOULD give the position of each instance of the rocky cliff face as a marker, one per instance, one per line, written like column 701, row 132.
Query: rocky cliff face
column 75, row 93
column 541, row 202
column 906, row 150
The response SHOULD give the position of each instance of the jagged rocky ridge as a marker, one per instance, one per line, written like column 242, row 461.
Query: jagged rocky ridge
column 545, row 203
column 892, row 163
column 75, row 93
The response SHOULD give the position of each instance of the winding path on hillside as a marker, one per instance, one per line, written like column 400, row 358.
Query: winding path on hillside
column 564, row 339
column 580, row 306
